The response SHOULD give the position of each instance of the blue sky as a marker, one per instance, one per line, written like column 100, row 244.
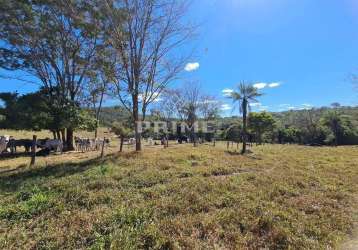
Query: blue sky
column 308, row 47
column 305, row 49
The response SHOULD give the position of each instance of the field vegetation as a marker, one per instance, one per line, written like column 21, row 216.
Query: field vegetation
column 279, row 197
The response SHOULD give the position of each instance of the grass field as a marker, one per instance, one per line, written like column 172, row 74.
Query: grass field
column 278, row 197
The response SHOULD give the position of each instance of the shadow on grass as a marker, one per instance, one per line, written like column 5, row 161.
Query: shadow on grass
column 8, row 169
column 249, row 154
column 6, row 156
column 233, row 152
column 11, row 180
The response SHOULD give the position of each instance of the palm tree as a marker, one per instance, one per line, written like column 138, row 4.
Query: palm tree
column 247, row 93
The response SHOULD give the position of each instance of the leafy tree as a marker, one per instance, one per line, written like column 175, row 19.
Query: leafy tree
column 233, row 133
column 33, row 112
column 289, row 135
column 121, row 130
column 333, row 121
column 55, row 41
column 246, row 93
column 341, row 129
column 260, row 123
column 145, row 35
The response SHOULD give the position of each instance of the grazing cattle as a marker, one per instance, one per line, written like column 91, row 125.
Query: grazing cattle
column 55, row 144
column 86, row 144
column 13, row 144
column 77, row 143
column 51, row 144
column 182, row 139
column 131, row 141
column 150, row 141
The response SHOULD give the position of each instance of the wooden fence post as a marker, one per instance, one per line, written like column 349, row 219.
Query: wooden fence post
column 102, row 152
column 33, row 150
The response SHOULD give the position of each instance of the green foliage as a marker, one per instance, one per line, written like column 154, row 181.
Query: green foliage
column 318, row 126
column 28, row 111
column 30, row 203
column 135, row 230
column 233, row 133
column 340, row 129
column 121, row 130
column 260, row 123
column 289, row 135
column 33, row 111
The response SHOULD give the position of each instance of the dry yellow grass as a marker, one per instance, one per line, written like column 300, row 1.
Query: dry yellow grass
column 279, row 197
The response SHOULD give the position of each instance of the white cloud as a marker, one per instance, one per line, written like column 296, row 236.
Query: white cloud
column 291, row 107
column 208, row 101
column 192, row 66
column 306, row 106
column 155, row 97
column 225, row 107
column 260, row 85
column 255, row 104
column 227, row 92
column 274, row 84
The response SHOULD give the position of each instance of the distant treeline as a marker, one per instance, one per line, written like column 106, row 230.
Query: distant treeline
column 318, row 126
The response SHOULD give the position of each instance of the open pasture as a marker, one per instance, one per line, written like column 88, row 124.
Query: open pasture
column 278, row 196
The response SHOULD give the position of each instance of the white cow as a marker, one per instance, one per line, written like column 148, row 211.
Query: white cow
column 131, row 141
column 150, row 141
column 55, row 144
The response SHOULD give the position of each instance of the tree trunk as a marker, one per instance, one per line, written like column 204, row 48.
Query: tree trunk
column 98, row 112
column 63, row 135
column 69, row 139
column 244, row 123
column 138, row 143
column 121, row 145
column 58, row 136
column 102, row 151
column 54, row 134
column 33, row 150
column 335, row 135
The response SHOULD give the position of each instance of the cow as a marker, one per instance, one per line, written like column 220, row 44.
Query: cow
column 183, row 138
column 86, row 144
column 132, row 141
column 51, row 144
column 82, row 144
column 13, row 144
column 150, row 141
